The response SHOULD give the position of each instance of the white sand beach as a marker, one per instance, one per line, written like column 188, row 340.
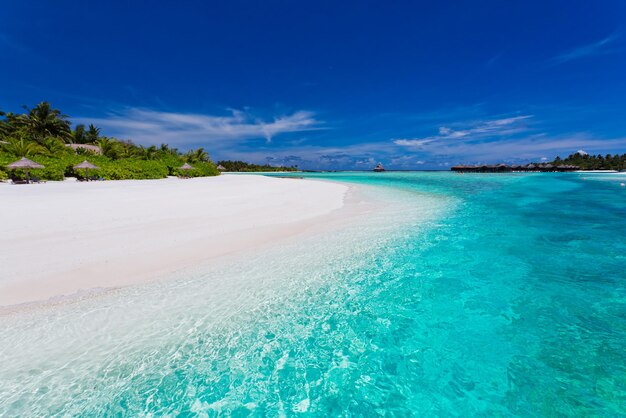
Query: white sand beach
column 57, row 239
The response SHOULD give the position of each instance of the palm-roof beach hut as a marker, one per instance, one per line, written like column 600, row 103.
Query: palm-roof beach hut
column 186, row 167
column 221, row 167
column 86, row 165
column 26, row 165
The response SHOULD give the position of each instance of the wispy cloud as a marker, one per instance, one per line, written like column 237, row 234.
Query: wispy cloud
column 509, row 139
column 241, row 135
column 146, row 126
column 474, row 130
column 355, row 156
column 531, row 148
column 602, row 47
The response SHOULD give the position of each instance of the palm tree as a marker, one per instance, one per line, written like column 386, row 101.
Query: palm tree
column 127, row 150
column 199, row 155
column 174, row 152
column 108, row 147
column 43, row 121
column 165, row 150
column 11, row 123
column 93, row 134
column 20, row 147
column 149, row 153
column 53, row 147
column 79, row 135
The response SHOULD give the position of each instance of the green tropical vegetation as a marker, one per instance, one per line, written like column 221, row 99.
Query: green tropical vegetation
column 44, row 135
column 240, row 166
column 593, row 162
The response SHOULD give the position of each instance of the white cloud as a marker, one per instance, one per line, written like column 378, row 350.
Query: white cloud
column 501, row 139
column 527, row 148
column 474, row 130
column 440, row 154
column 146, row 126
column 355, row 156
column 403, row 161
column 601, row 47
column 413, row 143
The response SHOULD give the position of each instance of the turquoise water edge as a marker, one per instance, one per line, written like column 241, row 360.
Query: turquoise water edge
column 466, row 295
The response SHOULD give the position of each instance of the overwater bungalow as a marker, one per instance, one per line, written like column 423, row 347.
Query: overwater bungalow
column 504, row 168
column 379, row 168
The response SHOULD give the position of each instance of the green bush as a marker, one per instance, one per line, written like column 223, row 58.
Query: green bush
column 60, row 166
column 23, row 135
column 54, row 168
column 199, row 170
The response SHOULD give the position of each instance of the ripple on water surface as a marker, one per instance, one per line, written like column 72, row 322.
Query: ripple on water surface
column 492, row 295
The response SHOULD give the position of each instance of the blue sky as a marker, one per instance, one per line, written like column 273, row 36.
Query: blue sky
column 340, row 85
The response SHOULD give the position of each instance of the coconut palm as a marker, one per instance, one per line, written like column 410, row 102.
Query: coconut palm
column 165, row 149
column 198, row 155
column 93, row 134
column 109, row 147
column 20, row 147
column 127, row 150
column 79, row 135
column 11, row 123
column 52, row 146
column 149, row 153
column 43, row 120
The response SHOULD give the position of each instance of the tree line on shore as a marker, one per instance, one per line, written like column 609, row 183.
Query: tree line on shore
column 240, row 166
column 593, row 162
column 574, row 162
column 45, row 135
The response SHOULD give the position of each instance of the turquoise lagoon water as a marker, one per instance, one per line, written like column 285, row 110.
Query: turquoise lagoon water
column 462, row 295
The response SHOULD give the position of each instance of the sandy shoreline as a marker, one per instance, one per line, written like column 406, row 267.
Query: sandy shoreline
column 59, row 239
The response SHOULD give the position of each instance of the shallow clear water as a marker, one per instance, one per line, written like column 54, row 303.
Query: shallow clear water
column 493, row 295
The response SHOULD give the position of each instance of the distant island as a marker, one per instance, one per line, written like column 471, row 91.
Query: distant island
column 243, row 167
column 579, row 161
column 44, row 134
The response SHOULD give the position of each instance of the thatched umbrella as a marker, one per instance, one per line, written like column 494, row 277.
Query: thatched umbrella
column 26, row 165
column 86, row 165
column 186, row 167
